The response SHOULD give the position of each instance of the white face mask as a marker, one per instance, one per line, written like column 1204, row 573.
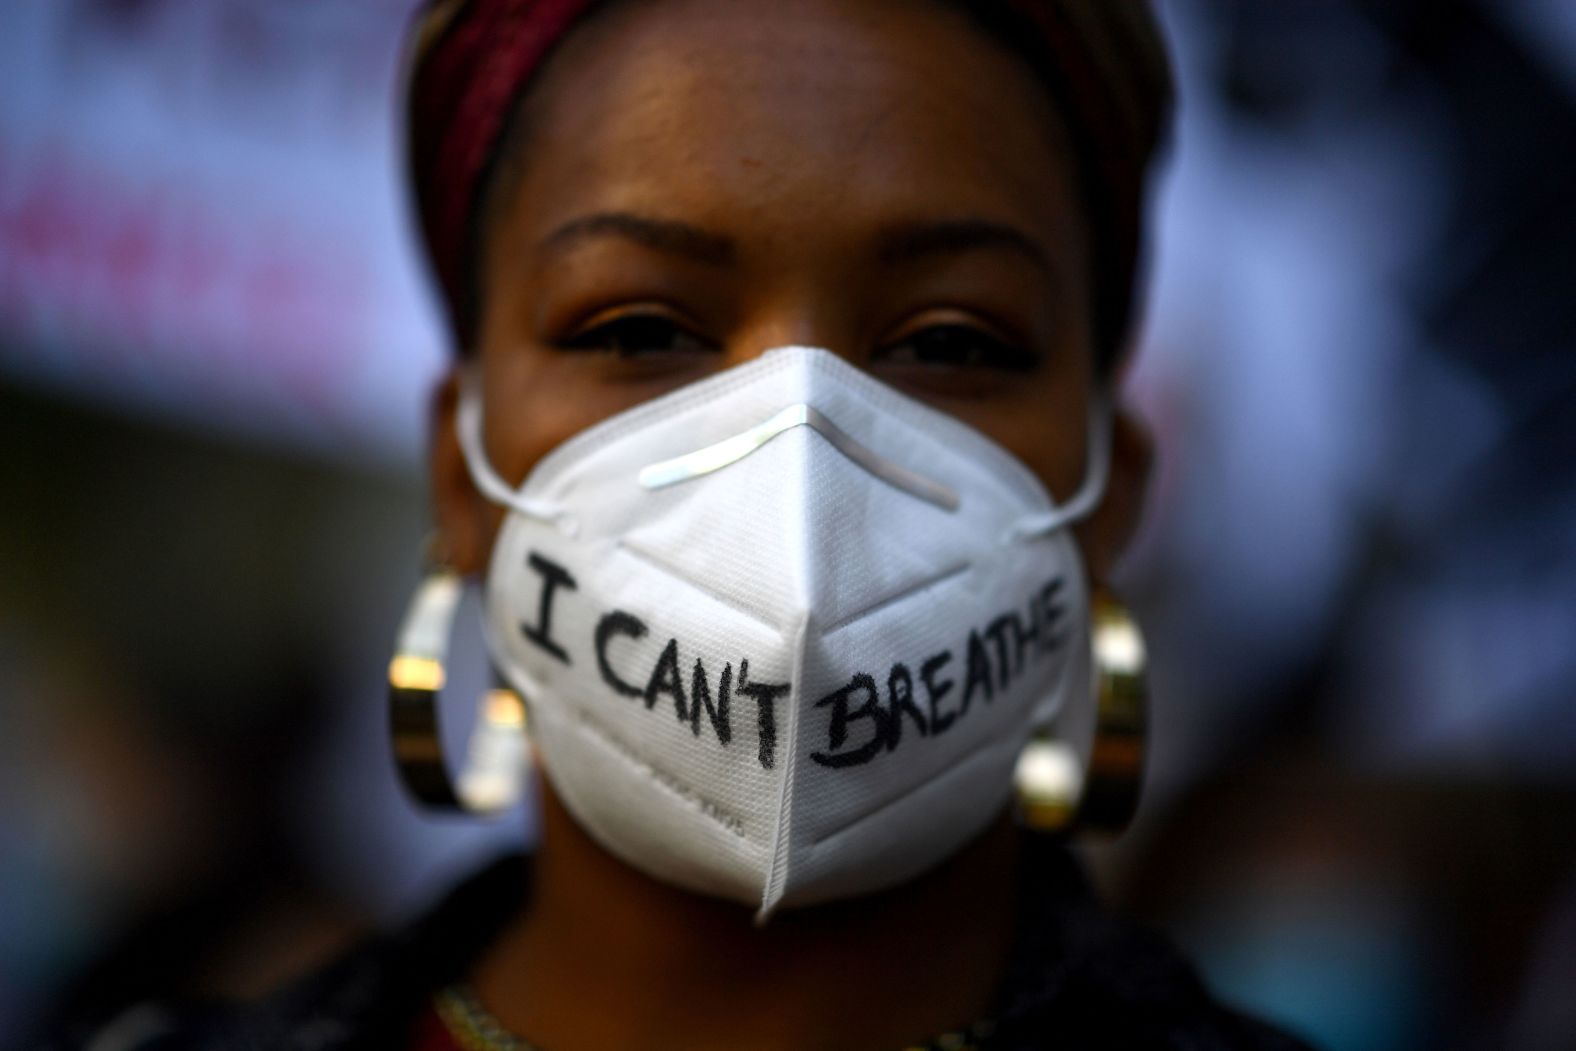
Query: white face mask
column 784, row 632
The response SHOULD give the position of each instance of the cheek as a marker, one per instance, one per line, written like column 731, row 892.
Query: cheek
column 1052, row 446
column 1043, row 422
column 536, row 398
column 525, row 420
column 532, row 407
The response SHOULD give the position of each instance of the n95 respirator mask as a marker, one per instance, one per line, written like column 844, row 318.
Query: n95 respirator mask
column 783, row 632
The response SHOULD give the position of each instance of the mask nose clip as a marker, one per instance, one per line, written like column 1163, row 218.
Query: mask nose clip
column 731, row 450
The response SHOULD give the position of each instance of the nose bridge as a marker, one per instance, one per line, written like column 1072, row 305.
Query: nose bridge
column 807, row 306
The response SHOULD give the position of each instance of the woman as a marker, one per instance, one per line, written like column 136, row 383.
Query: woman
column 780, row 431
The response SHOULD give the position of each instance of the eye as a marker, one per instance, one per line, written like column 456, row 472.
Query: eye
column 637, row 335
column 958, row 345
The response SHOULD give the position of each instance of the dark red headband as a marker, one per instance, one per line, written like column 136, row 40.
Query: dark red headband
column 473, row 58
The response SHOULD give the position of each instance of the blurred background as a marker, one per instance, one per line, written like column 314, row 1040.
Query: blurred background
column 1358, row 577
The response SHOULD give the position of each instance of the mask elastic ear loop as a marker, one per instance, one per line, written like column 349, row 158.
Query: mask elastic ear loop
column 468, row 428
column 1097, row 471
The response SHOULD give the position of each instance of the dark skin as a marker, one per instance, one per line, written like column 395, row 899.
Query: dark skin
column 703, row 180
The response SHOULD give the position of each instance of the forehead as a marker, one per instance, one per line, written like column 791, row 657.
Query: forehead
column 779, row 117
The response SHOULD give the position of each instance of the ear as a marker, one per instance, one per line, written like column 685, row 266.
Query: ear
column 1105, row 534
column 461, row 515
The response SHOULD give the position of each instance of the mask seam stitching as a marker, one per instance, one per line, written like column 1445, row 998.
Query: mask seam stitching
column 787, row 758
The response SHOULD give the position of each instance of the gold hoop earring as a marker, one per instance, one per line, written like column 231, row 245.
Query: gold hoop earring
column 499, row 753
column 1051, row 794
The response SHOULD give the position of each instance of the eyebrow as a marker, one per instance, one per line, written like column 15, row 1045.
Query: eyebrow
column 909, row 242
column 902, row 243
column 663, row 235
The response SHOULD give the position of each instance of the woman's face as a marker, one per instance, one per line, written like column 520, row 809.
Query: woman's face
column 703, row 180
